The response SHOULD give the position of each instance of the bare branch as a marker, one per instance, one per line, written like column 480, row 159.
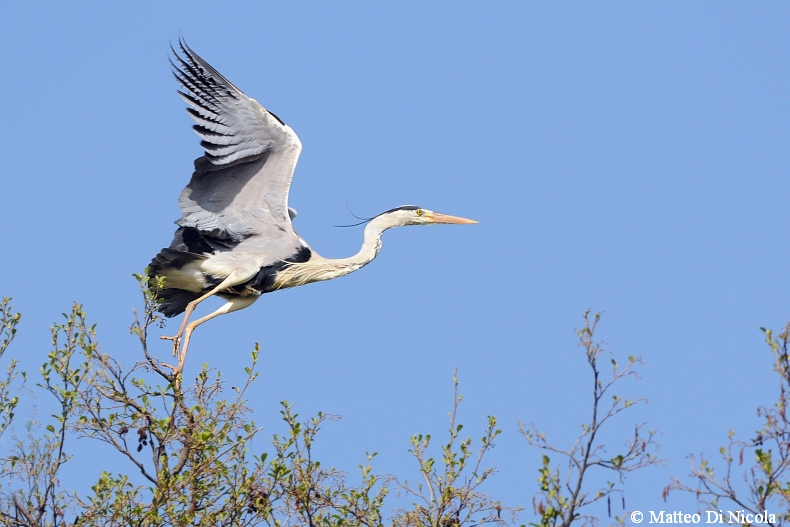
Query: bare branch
column 561, row 499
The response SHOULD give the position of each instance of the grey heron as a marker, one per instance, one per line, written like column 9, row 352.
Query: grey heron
column 235, row 238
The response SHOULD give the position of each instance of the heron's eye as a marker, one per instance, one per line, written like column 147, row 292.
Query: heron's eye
column 419, row 212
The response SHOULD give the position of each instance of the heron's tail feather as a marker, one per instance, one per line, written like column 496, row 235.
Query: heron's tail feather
column 171, row 259
column 174, row 301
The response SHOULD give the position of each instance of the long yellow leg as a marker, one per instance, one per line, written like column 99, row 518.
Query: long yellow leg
column 230, row 281
column 233, row 305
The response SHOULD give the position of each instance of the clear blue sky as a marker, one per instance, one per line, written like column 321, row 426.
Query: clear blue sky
column 625, row 157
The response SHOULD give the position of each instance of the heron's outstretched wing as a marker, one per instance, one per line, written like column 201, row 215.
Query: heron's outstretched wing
column 239, row 189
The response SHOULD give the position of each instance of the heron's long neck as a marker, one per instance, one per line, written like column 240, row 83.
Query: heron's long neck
column 371, row 245
column 319, row 268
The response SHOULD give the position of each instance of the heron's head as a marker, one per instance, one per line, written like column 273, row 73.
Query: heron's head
column 413, row 215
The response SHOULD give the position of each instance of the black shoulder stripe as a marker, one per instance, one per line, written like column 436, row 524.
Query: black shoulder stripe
column 301, row 256
column 264, row 280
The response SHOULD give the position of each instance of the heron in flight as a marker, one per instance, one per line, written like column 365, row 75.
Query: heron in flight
column 235, row 238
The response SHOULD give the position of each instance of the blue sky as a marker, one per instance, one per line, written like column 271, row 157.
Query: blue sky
column 629, row 158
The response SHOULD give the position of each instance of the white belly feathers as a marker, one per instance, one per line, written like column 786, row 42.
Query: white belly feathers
column 192, row 276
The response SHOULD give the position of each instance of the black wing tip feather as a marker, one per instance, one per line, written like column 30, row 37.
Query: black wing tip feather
column 217, row 106
column 196, row 60
column 198, row 77
column 208, row 72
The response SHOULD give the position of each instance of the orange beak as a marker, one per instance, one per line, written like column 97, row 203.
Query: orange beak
column 437, row 217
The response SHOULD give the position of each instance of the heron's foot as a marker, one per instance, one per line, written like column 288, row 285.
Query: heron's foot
column 176, row 340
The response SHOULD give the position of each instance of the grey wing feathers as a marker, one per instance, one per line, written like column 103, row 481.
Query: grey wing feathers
column 228, row 122
column 240, row 187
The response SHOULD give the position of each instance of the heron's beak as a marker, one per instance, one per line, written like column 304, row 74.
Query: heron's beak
column 437, row 217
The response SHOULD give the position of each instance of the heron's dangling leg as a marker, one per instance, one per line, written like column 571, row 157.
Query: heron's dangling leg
column 230, row 281
column 233, row 305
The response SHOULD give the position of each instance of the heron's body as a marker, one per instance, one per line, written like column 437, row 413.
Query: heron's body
column 236, row 238
column 189, row 273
